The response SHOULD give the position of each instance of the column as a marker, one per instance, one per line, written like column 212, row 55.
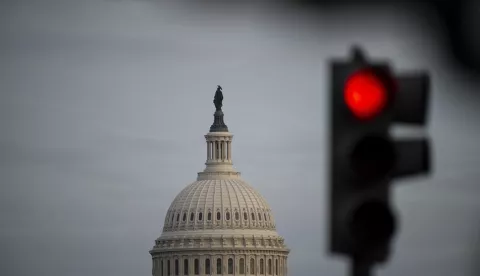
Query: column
column 257, row 263
column 158, row 267
column 209, row 150
column 286, row 266
column 275, row 271
column 235, row 265
column 282, row 266
column 220, row 146
column 224, row 150
column 181, row 260
column 224, row 265
column 183, row 265
column 229, row 150
column 154, row 266
column 162, row 267
column 169, row 265
column 214, row 151
column 219, row 150
column 190, row 265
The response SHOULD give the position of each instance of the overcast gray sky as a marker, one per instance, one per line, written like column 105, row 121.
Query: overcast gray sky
column 104, row 104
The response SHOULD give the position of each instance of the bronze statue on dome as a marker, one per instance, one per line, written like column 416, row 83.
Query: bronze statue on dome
column 217, row 100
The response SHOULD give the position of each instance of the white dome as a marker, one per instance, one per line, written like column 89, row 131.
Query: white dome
column 219, row 224
column 219, row 204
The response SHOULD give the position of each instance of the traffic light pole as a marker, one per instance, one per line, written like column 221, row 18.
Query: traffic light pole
column 360, row 268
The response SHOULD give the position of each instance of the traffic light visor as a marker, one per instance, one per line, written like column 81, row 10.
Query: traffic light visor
column 365, row 94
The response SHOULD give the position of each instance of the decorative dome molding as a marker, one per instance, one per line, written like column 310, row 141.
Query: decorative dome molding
column 224, row 242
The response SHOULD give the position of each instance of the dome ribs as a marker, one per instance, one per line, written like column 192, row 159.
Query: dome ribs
column 252, row 209
column 222, row 207
column 258, row 199
column 246, row 205
column 227, row 195
column 208, row 184
column 228, row 187
column 238, row 199
column 214, row 215
column 195, row 217
column 188, row 200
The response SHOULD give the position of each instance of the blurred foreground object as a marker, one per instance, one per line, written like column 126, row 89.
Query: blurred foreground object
column 366, row 100
column 456, row 20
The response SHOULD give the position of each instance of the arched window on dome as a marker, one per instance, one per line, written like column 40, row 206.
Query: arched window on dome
column 265, row 215
column 253, row 216
column 176, row 267
column 237, row 216
column 219, row 266
column 219, row 216
column 242, row 266
column 178, row 217
column 196, row 267
column 262, row 267
column 259, row 216
column 245, row 216
column 209, row 216
column 207, row 266
column 227, row 216
column 230, row 266
column 184, row 216
column 185, row 267
column 192, row 217
column 252, row 266
column 200, row 216
column 173, row 217
column 269, row 266
column 276, row 266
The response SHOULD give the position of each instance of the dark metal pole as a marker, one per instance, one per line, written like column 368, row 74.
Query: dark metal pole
column 360, row 268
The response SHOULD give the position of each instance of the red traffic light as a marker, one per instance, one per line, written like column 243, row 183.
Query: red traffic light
column 365, row 94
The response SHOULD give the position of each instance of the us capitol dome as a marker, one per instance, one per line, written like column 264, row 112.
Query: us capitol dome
column 219, row 224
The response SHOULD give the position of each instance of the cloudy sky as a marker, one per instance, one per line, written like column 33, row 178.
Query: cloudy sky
column 104, row 104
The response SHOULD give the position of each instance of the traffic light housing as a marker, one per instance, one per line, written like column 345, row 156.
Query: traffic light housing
column 366, row 100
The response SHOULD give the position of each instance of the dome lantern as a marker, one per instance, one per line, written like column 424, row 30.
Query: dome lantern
column 219, row 146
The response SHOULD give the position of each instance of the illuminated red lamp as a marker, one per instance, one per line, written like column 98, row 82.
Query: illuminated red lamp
column 365, row 94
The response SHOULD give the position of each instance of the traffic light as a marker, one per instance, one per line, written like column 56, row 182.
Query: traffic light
column 366, row 100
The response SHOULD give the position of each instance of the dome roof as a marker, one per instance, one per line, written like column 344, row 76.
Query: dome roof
column 219, row 204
